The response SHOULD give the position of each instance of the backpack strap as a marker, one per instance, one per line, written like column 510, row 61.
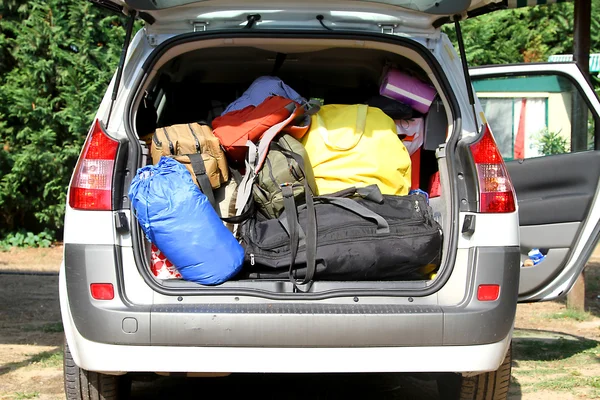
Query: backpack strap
column 256, row 158
column 290, row 215
column 203, row 181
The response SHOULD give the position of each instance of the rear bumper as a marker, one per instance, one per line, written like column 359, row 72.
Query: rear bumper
column 223, row 324
column 118, row 359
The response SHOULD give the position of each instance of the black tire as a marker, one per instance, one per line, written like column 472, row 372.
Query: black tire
column 88, row 385
column 492, row 385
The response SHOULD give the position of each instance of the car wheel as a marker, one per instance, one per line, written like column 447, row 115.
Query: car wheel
column 492, row 385
column 89, row 385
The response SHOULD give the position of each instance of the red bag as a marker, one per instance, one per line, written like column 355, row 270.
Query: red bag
column 162, row 268
column 235, row 128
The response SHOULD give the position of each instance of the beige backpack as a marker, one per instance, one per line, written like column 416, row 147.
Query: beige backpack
column 197, row 148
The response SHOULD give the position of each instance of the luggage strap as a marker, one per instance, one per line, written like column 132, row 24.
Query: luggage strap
column 256, row 158
column 203, row 181
column 290, row 215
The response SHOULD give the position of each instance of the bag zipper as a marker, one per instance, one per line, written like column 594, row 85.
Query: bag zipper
column 198, row 149
column 171, row 148
column 283, row 254
column 341, row 227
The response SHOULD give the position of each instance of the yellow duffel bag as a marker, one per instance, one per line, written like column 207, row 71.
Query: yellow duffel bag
column 356, row 145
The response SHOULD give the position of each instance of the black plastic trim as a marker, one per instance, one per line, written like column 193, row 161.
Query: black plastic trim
column 452, row 234
column 470, row 195
column 120, row 175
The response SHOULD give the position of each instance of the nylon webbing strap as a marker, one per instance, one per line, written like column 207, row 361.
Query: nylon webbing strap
column 203, row 181
column 292, row 221
column 267, row 138
column 370, row 192
column 351, row 205
column 256, row 157
column 310, row 236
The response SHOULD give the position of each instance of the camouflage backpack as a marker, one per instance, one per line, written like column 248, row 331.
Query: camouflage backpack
column 286, row 164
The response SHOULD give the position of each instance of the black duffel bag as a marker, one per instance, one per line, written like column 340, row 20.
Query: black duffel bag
column 368, row 238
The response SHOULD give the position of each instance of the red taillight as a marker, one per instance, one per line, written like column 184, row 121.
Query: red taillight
column 496, row 194
column 488, row 292
column 102, row 291
column 91, row 186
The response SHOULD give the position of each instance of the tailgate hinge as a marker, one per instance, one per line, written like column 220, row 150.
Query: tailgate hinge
column 387, row 28
column 200, row 26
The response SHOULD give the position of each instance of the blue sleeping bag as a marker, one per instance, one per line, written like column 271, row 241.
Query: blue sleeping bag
column 178, row 218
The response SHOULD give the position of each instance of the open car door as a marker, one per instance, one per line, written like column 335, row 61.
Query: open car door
column 545, row 118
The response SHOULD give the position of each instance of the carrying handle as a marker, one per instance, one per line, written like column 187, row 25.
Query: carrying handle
column 370, row 192
column 361, row 122
column 351, row 205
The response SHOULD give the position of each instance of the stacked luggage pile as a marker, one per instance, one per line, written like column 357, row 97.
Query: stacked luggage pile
column 281, row 187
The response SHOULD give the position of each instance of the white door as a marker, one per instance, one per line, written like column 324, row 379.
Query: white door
column 545, row 118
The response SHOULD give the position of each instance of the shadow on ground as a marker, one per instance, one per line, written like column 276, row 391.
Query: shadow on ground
column 30, row 312
column 542, row 345
column 47, row 357
column 289, row 386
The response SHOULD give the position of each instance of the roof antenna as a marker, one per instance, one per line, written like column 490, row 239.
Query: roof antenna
column 463, row 58
column 128, row 31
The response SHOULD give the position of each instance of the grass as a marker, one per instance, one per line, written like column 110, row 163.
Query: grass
column 26, row 395
column 48, row 359
column 52, row 327
column 559, row 349
column 570, row 313
column 557, row 365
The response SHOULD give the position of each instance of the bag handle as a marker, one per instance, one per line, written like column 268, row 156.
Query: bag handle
column 370, row 192
column 351, row 205
column 361, row 122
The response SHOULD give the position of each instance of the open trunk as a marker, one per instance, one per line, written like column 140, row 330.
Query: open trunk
column 194, row 80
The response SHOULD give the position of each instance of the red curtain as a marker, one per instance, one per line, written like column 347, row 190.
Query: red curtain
column 520, row 139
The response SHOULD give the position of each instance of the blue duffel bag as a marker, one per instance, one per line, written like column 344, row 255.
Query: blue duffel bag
column 178, row 218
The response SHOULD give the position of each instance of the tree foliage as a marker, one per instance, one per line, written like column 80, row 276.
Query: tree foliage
column 56, row 59
column 529, row 34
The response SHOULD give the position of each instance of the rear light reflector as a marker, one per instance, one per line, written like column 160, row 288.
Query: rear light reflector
column 91, row 186
column 102, row 291
column 488, row 292
column 496, row 194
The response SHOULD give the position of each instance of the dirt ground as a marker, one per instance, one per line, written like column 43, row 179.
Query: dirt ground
column 556, row 351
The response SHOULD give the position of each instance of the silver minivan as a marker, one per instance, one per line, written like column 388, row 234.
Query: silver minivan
column 192, row 56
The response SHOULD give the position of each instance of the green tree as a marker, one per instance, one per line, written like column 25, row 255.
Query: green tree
column 56, row 59
column 529, row 34
column 552, row 143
